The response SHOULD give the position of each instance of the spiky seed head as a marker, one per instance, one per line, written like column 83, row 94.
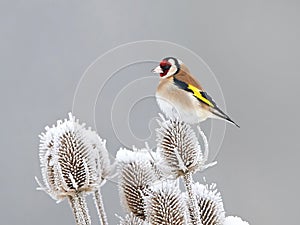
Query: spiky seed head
column 68, row 159
column 131, row 219
column 178, row 147
column 210, row 204
column 136, row 174
column 103, row 164
column 165, row 205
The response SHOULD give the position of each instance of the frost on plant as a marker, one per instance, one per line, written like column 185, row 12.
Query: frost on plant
column 136, row 174
column 68, row 159
column 234, row 220
column 131, row 219
column 165, row 205
column 181, row 153
column 210, row 204
column 75, row 162
column 179, row 148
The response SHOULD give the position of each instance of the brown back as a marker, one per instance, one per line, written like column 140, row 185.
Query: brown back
column 185, row 76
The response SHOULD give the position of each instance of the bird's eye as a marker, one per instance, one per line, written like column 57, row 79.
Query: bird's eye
column 165, row 65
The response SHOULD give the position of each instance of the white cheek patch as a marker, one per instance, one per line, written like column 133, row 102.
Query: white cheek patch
column 172, row 71
column 171, row 61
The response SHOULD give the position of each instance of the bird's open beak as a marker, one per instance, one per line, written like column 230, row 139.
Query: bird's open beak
column 157, row 70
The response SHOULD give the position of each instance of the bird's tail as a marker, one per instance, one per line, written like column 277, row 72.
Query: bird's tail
column 219, row 114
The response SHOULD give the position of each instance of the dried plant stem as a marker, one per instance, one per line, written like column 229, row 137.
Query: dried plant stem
column 188, row 182
column 100, row 207
column 85, row 212
column 76, row 211
column 80, row 210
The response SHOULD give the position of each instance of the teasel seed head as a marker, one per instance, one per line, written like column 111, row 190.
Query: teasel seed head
column 103, row 164
column 68, row 159
column 131, row 219
column 210, row 204
column 178, row 147
column 136, row 174
column 165, row 205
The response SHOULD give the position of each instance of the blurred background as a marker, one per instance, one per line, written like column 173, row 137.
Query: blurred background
column 252, row 47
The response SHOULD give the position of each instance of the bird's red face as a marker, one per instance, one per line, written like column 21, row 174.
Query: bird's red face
column 167, row 67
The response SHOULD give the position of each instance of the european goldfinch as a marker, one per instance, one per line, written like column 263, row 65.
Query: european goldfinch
column 179, row 94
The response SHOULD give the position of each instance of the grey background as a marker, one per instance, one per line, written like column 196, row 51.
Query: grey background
column 252, row 47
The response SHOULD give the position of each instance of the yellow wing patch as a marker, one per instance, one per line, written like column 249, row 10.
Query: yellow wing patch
column 197, row 94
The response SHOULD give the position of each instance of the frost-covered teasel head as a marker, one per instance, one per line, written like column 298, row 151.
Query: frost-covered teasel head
column 102, row 160
column 165, row 204
column 178, row 147
column 70, row 159
column 210, row 204
column 136, row 173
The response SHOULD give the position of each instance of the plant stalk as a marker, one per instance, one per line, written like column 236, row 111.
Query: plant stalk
column 100, row 207
column 80, row 210
column 195, row 211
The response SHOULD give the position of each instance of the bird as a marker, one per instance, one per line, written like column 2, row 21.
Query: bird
column 180, row 95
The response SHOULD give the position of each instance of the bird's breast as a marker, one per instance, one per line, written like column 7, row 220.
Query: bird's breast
column 178, row 103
